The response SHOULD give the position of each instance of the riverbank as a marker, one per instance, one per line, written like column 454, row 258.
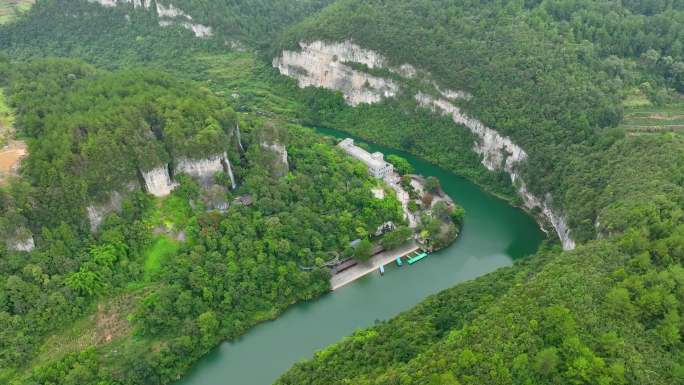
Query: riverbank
column 493, row 236
column 373, row 264
column 504, row 193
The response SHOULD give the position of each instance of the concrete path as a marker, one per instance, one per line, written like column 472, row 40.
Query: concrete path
column 373, row 264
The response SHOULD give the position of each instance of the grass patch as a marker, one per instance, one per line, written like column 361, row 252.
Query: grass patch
column 106, row 323
column 171, row 213
column 162, row 248
column 242, row 77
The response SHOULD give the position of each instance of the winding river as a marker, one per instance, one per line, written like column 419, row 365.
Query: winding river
column 494, row 235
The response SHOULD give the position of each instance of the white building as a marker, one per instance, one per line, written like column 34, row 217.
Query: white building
column 377, row 166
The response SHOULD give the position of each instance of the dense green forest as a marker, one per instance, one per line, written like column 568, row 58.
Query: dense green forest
column 592, row 90
column 89, row 131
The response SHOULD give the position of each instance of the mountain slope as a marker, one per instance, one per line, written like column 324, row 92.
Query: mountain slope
column 552, row 77
column 554, row 93
column 549, row 79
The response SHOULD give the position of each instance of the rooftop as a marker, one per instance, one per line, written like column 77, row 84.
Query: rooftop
column 375, row 160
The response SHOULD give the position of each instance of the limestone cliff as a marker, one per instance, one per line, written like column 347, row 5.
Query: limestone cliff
column 499, row 152
column 26, row 245
column 204, row 169
column 98, row 212
column 169, row 15
column 282, row 166
column 158, row 181
column 325, row 65
column 22, row 240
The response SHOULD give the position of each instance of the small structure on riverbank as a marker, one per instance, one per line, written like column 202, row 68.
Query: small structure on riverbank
column 377, row 166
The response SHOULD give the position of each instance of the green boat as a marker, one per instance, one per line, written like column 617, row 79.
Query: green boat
column 417, row 258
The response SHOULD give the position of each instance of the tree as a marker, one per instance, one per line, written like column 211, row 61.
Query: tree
column 546, row 362
column 396, row 238
column 85, row 282
column 401, row 165
column 457, row 215
column 432, row 184
column 363, row 250
column 208, row 325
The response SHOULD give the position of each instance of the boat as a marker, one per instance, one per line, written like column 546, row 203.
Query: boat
column 382, row 270
column 398, row 260
column 416, row 258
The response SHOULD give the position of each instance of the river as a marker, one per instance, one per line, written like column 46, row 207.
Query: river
column 494, row 235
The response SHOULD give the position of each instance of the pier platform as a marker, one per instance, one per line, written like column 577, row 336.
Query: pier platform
column 361, row 269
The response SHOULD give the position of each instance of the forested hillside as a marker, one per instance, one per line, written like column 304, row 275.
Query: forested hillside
column 189, row 277
column 552, row 75
column 609, row 312
column 591, row 90
column 557, row 77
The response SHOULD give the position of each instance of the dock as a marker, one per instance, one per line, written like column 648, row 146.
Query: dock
column 357, row 271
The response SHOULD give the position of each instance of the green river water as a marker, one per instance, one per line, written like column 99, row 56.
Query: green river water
column 494, row 234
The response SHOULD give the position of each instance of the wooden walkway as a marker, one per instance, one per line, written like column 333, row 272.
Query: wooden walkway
column 373, row 264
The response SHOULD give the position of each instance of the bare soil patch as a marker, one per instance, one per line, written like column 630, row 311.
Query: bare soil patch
column 10, row 158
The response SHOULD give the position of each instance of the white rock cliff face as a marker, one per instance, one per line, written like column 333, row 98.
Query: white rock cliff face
column 281, row 152
column 26, row 245
column 205, row 169
column 202, row 169
column 97, row 213
column 322, row 64
column 499, row 152
column 168, row 15
column 113, row 3
column 158, row 181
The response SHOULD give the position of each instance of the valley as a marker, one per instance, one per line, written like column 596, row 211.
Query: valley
column 494, row 235
column 183, row 192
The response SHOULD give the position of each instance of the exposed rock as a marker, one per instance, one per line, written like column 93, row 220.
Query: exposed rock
column 499, row 152
column 323, row 65
column 198, row 29
column 22, row 241
column 453, row 95
column 97, row 213
column 158, row 182
column 113, row 3
column 202, row 169
column 205, row 169
column 214, row 198
column 171, row 11
column 169, row 15
column 405, row 70
column 10, row 158
column 283, row 166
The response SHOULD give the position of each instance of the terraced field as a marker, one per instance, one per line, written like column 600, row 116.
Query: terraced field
column 10, row 8
column 641, row 116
